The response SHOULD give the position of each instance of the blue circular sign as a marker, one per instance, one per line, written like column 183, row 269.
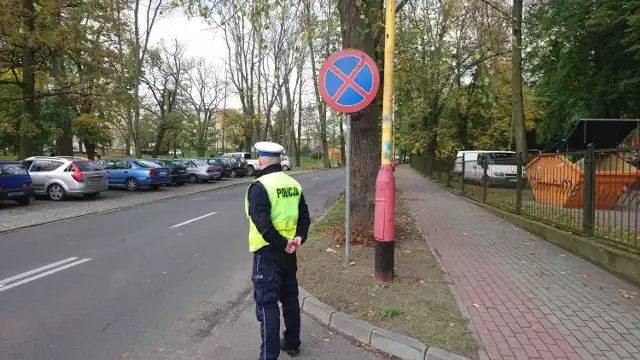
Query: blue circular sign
column 318, row 148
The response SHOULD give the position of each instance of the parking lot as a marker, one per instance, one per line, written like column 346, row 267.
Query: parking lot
column 43, row 211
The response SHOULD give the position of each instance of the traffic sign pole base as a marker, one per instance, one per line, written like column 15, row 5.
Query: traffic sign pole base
column 384, row 224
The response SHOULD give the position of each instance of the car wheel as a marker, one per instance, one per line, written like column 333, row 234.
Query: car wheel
column 233, row 174
column 24, row 201
column 251, row 171
column 55, row 192
column 132, row 184
column 285, row 168
column 92, row 195
column 193, row 178
column 154, row 187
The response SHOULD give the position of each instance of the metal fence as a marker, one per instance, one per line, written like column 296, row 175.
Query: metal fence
column 593, row 192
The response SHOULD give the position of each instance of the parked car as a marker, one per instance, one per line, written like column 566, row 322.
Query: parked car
column 253, row 165
column 15, row 183
column 200, row 170
column 131, row 174
column 285, row 162
column 178, row 170
column 60, row 177
column 233, row 166
column 225, row 166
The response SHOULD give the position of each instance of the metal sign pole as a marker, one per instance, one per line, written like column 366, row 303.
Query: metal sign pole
column 347, row 247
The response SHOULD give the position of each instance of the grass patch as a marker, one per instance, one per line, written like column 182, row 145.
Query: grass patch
column 418, row 303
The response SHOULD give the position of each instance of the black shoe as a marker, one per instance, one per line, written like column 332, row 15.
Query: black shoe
column 291, row 352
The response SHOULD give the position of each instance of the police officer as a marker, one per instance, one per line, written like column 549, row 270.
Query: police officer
column 278, row 224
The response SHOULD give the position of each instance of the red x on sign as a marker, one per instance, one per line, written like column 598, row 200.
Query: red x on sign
column 349, row 80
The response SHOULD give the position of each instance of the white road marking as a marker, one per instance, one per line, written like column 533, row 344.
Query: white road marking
column 192, row 220
column 315, row 178
column 27, row 280
column 35, row 271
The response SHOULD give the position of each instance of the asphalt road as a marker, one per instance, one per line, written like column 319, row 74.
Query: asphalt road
column 165, row 280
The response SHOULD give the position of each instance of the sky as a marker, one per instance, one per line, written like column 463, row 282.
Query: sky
column 200, row 40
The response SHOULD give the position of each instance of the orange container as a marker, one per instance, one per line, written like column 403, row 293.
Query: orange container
column 557, row 181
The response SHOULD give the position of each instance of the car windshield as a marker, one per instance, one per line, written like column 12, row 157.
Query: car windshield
column 200, row 162
column 147, row 164
column 87, row 166
column 12, row 169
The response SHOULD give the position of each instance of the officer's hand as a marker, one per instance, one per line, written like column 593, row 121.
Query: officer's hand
column 291, row 247
column 298, row 241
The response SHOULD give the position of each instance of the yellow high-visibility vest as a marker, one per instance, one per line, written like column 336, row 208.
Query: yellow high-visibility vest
column 284, row 195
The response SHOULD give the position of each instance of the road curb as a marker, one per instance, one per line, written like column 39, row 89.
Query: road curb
column 392, row 343
column 66, row 218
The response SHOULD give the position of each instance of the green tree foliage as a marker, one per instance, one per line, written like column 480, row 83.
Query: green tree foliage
column 583, row 60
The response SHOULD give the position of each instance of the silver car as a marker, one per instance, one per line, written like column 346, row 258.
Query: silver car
column 59, row 177
column 199, row 170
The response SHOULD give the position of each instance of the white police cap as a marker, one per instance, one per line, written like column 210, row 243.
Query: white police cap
column 266, row 148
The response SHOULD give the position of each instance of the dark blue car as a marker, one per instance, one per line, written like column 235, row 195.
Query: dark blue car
column 131, row 174
column 15, row 183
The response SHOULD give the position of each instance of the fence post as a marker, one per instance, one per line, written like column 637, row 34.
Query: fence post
column 519, row 186
column 429, row 167
column 463, row 165
column 589, row 211
column 448, row 176
column 485, row 179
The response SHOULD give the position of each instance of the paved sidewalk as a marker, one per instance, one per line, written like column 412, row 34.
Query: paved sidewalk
column 527, row 298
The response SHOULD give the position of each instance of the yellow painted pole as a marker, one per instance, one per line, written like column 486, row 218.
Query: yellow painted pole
column 393, row 124
column 384, row 223
column 387, row 91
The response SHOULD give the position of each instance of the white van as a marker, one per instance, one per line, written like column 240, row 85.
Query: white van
column 502, row 166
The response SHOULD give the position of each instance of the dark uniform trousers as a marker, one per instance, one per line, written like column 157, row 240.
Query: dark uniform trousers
column 274, row 279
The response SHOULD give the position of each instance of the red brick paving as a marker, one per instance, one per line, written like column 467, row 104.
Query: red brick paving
column 527, row 298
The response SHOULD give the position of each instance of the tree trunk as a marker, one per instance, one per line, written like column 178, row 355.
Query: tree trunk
column 299, row 152
column 322, row 112
column 27, row 123
column 91, row 149
column 516, row 82
column 159, row 139
column 364, row 124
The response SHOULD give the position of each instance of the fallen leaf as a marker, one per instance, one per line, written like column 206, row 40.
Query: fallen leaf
column 475, row 305
column 125, row 356
column 159, row 350
column 587, row 276
column 563, row 255
column 522, row 261
column 601, row 286
column 627, row 296
column 331, row 250
column 452, row 324
column 526, row 243
column 621, row 291
column 352, row 263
